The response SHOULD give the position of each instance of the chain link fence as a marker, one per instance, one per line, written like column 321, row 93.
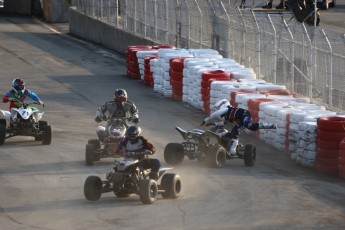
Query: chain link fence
column 306, row 59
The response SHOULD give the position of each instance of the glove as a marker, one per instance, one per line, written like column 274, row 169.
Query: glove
column 203, row 123
column 98, row 119
column 135, row 120
column 41, row 103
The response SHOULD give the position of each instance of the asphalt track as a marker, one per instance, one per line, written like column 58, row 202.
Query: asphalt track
column 42, row 186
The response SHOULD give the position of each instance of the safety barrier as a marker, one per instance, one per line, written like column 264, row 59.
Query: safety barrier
column 309, row 133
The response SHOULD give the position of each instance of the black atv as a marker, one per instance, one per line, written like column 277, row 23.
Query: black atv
column 210, row 146
column 128, row 177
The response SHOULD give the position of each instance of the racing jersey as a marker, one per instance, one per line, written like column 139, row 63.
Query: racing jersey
column 140, row 145
column 111, row 109
column 20, row 97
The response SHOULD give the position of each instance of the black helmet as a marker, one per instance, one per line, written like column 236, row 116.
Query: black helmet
column 133, row 132
column 120, row 95
column 18, row 85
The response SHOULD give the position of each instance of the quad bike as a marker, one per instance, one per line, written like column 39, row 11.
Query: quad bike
column 25, row 121
column 129, row 177
column 210, row 146
column 105, row 146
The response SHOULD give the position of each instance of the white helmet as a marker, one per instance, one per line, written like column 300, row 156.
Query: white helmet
column 223, row 103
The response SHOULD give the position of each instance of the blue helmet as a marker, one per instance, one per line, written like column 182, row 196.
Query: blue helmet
column 18, row 85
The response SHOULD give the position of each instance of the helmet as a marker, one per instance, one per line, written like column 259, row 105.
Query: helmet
column 220, row 105
column 120, row 95
column 18, row 85
column 133, row 132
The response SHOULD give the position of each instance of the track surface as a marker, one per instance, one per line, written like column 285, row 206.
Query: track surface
column 42, row 186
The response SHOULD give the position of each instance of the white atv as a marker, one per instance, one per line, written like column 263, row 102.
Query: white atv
column 25, row 121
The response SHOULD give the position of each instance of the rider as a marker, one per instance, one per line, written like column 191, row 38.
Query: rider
column 17, row 95
column 119, row 108
column 134, row 142
column 240, row 117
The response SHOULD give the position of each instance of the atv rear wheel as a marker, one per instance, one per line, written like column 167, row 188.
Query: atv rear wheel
column 2, row 134
column 47, row 135
column 93, row 188
column 171, row 183
column 89, row 154
column 173, row 153
column 148, row 191
column 97, row 144
column 249, row 155
column 216, row 156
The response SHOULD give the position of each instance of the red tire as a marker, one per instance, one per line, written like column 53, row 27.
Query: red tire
column 329, row 136
column 329, row 145
column 327, row 153
column 215, row 74
column 330, row 162
column 333, row 124
column 176, row 64
column 276, row 92
column 176, row 76
column 341, row 160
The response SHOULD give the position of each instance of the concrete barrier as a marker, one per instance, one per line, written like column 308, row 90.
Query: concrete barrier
column 102, row 33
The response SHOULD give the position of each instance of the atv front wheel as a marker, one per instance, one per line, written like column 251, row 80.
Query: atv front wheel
column 97, row 144
column 89, row 154
column 93, row 188
column 2, row 134
column 171, row 184
column 173, row 153
column 47, row 135
column 249, row 155
column 216, row 156
column 148, row 191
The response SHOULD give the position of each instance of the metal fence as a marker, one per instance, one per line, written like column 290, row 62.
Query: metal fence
column 308, row 60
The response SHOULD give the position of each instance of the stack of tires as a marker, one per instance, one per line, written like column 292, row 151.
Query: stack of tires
column 176, row 77
column 133, row 70
column 330, row 133
column 341, row 159
column 206, row 78
column 148, row 74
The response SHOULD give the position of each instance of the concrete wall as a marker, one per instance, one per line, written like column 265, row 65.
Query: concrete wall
column 94, row 30
column 17, row 7
column 55, row 10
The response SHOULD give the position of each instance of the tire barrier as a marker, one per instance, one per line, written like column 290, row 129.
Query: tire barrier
column 309, row 133
column 176, row 77
column 331, row 132
column 341, row 159
column 132, row 60
column 148, row 74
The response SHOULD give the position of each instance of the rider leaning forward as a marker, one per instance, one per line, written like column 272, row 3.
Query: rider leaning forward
column 18, row 94
column 120, row 107
column 134, row 142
